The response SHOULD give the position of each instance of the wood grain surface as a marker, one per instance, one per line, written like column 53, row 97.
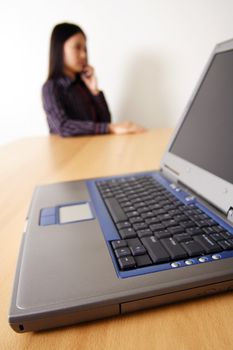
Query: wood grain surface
column 194, row 325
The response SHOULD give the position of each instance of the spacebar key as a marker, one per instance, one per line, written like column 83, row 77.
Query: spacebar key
column 155, row 249
column 115, row 210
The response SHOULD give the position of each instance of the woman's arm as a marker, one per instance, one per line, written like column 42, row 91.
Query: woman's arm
column 89, row 79
column 58, row 120
column 102, row 107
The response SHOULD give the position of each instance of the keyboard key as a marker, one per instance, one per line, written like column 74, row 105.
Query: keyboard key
column 157, row 227
column 140, row 226
column 122, row 252
column 127, row 204
column 146, row 198
column 143, row 210
column 193, row 231
column 180, row 218
column 151, row 201
column 155, row 206
column 127, row 262
column 162, row 234
column 193, row 248
column 124, row 224
column 208, row 230
column 115, row 210
column 217, row 237
column 176, row 229
column 164, row 202
column 187, row 224
column 132, row 196
column 107, row 195
column 147, row 215
column 142, row 260
column 137, row 200
column 120, row 196
column 165, row 217
column 136, row 246
column 153, row 220
column 169, row 223
column 119, row 244
column 227, row 235
column 210, row 222
column 207, row 243
column 201, row 223
column 226, row 245
column 128, row 233
column 174, row 212
column 144, row 233
column 131, row 214
column 174, row 248
column 159, row 212
column 182, row 237
column 217, row 228
column 197, row 217
column 130, row 211
column 140, row 205
column 169, row 207
column 155, row 249
column 135, row 219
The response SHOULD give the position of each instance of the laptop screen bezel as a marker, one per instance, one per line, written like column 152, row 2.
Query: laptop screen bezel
column 214, row 189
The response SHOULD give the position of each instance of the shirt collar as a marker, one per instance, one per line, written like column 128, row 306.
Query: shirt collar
column 66, row 81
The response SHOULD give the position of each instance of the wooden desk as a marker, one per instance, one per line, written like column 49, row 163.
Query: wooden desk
column 194, row 325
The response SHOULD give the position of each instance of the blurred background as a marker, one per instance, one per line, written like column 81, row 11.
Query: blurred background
column 148, row 55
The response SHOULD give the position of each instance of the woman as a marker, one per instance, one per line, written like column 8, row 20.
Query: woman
column 73, row 103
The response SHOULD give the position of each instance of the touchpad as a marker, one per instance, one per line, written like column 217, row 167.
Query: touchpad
column 75, row 212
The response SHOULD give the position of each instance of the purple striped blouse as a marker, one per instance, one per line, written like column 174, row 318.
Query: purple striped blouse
column 72, row 110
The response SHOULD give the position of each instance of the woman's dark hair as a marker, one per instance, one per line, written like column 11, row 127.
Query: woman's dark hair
column 61, row 32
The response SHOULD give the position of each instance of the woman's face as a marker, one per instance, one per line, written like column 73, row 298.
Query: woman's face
column 74, row 54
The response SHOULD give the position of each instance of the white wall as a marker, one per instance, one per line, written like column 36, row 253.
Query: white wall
column 148, row 55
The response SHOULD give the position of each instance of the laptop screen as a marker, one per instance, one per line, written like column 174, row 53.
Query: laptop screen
column 206, row 136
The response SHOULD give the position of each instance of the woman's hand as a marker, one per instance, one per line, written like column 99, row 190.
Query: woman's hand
column 88, row 77
column 125, row 128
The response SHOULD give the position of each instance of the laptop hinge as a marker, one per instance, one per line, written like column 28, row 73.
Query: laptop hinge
column 230, row 215
column 170, row 173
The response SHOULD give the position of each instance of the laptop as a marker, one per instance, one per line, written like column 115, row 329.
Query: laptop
column 108, row 246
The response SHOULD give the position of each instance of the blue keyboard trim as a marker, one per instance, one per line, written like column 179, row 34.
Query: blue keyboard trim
column 110, row 232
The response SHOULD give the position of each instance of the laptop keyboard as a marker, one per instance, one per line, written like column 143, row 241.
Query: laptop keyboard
column 155, row 227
